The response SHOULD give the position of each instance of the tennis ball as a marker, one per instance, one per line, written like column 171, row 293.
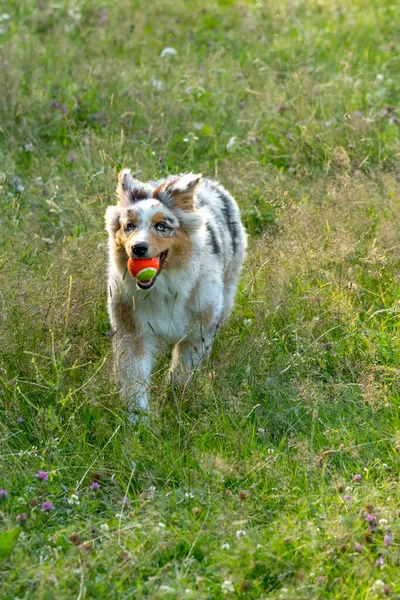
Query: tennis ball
column 143, row 269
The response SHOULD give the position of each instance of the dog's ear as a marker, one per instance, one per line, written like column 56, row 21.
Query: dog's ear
column 179, row 193
column 131, row 190
column 112, row 219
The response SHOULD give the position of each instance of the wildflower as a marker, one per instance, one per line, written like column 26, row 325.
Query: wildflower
column 58, row 106
column 95, row 485
column 227, row 587
column 167, row 52
column 380, row 561
column 358, row 547
column 47, row 506
column 370, row 519
column 75, row 539
column 22, row 518
column 29, row 147
column 42, row 475
column 165, row 588
column 347, row 497
column 240, row 533
column 357, row 477
column 72, row 157
column 3, row 495
column 189, row 495
column 231, row 143
column 225, row 546
column 387, row 540
column 74, row 499
column 379, row 583
column 243, row 495
column 162, row 525
column 104, row 527
column 125, row 501
column 383, row 522
column 157, row 84
column 20, row 419
column 4, row 17
column 321, row 580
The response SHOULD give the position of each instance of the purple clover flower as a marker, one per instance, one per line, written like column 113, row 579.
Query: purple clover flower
column 95, row 485
column 3, row 495
column 58, row 106
column 47, row 507
column 380, row 561
column 387, row 540
column 370, row 519
column 22, row 518
column 357, row 477
column 42, row 475
column 347, row 497
column 358, row 547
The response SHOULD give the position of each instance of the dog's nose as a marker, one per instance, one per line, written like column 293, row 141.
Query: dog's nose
column 140, row 249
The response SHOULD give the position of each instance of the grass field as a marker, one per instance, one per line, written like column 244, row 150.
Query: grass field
column 277, row 474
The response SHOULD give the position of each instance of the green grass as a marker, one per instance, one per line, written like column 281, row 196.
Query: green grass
column 302, row 391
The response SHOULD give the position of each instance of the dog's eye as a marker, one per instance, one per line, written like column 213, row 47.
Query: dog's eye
column 130, row 226
column 161, row 227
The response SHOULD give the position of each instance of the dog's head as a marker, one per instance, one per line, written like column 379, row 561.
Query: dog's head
column 153, row 221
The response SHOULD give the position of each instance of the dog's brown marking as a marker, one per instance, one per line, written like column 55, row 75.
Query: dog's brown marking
column 181, row 200
column 164, row 187
column 157, row 218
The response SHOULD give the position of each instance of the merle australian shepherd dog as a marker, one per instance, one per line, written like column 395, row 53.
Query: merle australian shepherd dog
column 193, row 225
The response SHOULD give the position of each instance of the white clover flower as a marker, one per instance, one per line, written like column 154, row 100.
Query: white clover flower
column 104, row 527
column 383, row 521
column 165, row 588
column 166, row 52
column 189, row 495
column 380, row 77
column 162, row 525
column 74, row 500
column 379, row 583
column 240, row 533
column 188, row 591
column 231, row 144
column 4, row 17
column 157, row 84
column 227, row 587
column 225, row 546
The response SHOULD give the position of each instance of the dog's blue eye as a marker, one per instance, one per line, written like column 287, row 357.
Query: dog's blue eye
column 130, row 226
column 161, row 227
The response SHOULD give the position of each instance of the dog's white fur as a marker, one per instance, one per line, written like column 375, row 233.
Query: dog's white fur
column 194, row 291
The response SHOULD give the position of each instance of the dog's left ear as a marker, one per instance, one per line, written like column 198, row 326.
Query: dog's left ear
column 131, row 190
column 179, row 193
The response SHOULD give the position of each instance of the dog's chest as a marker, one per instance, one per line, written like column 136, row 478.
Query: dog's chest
column 165, row 313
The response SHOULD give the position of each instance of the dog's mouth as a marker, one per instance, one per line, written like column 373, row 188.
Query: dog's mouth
column 147, row 284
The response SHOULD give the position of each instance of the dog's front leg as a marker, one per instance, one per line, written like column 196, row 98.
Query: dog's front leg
column 133, row 359
column 188, row 355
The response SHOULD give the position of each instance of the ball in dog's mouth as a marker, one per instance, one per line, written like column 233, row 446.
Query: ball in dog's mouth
column 149, row 270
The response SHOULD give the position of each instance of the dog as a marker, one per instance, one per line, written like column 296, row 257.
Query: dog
column 193, row 226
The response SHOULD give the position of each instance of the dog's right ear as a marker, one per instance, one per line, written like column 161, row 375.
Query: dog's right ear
column 131, row 190
column 112, row 216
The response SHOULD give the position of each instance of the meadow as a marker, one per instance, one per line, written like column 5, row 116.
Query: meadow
column 276, row 474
